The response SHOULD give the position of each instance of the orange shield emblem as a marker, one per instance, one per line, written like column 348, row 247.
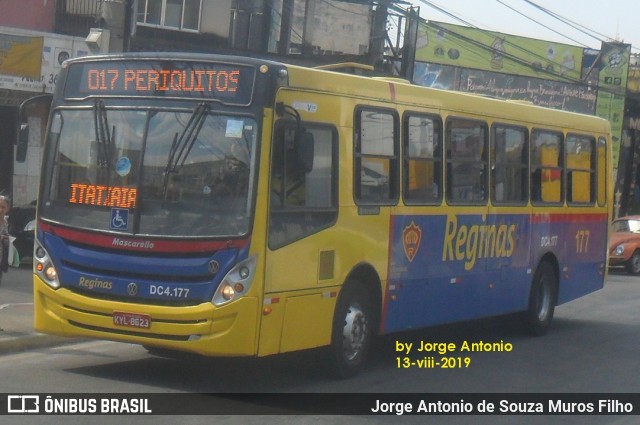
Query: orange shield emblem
column 411, row 236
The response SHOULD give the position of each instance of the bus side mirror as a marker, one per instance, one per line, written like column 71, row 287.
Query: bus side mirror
column 304, row 146
column 38, row 105
column 23, row 142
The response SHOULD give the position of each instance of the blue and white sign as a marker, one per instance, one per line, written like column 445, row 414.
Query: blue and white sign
column 123, row 166
column 119, row 219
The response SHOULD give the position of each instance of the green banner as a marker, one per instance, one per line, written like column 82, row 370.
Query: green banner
column 466, row 47
column 21, row 56
column 612, row 86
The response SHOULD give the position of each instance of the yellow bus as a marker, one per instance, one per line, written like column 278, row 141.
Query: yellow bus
column 231, row 206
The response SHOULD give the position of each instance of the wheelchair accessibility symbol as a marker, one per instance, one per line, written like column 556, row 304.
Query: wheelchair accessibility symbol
column 119, row 219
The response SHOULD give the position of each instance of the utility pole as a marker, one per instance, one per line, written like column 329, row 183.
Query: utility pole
column 285, row 27
column 410, row 43
column 378, row 33
column 309, row 28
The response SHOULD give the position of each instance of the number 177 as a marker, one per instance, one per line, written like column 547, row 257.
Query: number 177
column 582, row 241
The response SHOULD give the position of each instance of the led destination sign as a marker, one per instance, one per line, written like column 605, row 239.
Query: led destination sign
column 103, row 196
column 228, row 83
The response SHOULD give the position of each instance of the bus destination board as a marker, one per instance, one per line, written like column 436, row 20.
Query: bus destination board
column 232, row 84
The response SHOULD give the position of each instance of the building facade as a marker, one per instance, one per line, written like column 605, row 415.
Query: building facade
column 33, row 46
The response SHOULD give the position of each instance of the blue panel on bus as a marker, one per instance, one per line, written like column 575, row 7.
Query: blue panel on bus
column 140, row 278
column 449, row 268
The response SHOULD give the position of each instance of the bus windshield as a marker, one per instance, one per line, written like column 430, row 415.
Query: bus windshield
column 151, row 172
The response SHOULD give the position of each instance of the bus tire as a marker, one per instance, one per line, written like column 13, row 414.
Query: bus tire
column 542, row 299
column 352, row 330
column 633, row 263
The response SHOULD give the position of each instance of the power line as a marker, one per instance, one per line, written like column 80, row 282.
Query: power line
column 342, row 9
column 579, row 27
column 446, row 12
column 489, row 48
column 572, row 24
column 510, row 56
column 539, row 23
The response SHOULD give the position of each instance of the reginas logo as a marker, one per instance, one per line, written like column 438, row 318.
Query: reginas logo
column 469, row 242
column 95, row 283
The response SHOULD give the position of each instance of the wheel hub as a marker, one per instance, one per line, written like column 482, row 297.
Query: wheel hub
column 354, row 332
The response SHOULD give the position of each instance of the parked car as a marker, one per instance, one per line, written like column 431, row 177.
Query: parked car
column 624, row 244
column 22, row 223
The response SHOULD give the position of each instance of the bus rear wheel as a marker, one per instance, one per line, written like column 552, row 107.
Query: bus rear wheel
column 542, row 299
column 352, row 330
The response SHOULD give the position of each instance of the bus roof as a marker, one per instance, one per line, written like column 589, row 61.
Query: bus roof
column 404, row 92
column 394, row 90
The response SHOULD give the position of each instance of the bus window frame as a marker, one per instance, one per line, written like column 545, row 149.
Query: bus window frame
column 602, row 143
column 592, row 171
column 302, row 210
column 394, row 159
column 484, row 180
column 524, row 165
column 561, row 167
column 436, row 160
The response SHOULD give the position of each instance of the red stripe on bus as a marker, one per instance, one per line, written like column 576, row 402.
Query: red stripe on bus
column 392, row 91
column 126, row 243
column 568, row 218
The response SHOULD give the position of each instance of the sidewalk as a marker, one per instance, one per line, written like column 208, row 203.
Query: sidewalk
column 17, row 334
column 16, row 316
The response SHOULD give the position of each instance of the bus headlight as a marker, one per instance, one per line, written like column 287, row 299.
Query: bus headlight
column 619, row 250
column 236, row 283
column 43, row 267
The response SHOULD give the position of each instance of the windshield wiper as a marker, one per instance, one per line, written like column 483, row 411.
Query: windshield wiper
column 104, row 137
column 183, row 143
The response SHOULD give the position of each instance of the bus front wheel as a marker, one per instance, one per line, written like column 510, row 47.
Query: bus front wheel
column 542, row 299
column 352, row 329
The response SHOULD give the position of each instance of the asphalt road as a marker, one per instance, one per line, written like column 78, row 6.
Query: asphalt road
column 592, row 347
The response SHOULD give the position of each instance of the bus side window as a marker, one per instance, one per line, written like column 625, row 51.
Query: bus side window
column 536, row 186
column 546, row 167
column 302, row 202
column 509, row 164
column 376, row 157
column 467, row 147
column 581, row 170
column 287, row 176
column 422, row 157
column 602, row 171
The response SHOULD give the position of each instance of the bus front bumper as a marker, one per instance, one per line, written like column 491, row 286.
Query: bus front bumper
column 204, row 329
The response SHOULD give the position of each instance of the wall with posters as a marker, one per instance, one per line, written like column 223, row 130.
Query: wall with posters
column 545, row 73
column 612, row 87
column 461, row 46
column 20, row 84
column 552, row 94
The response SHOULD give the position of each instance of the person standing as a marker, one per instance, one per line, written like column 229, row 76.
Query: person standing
column 5, row 206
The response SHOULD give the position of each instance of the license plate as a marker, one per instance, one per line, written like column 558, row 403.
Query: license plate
column 131, row 320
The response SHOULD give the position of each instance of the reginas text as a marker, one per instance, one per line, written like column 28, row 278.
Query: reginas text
column 470, row 242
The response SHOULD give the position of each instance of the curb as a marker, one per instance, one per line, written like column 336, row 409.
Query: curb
column 16, row 344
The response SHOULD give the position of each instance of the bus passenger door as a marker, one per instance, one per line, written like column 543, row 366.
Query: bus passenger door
column 301, row 253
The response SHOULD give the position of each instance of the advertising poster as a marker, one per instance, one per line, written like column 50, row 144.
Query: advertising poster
column 19, row 55
column 614, row 63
